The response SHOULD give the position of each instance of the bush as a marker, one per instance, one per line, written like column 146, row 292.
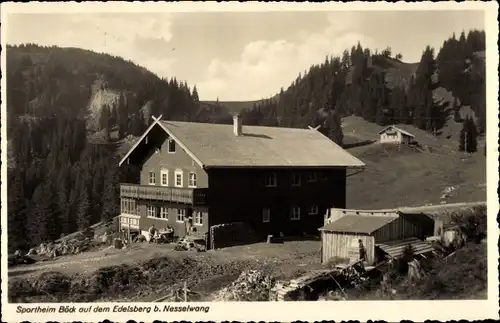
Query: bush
column 52, row 283
column 473, row 222
column 462, row 275
column 19, row 289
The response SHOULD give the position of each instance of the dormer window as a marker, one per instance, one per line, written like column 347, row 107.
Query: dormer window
column 271, row 180
column 171, row 146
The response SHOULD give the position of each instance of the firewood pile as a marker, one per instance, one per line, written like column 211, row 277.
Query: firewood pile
column 75, row 244
column 252, row 285
column 65, row 247
column 17, row 258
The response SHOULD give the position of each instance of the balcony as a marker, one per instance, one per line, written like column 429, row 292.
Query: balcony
column 192, row 196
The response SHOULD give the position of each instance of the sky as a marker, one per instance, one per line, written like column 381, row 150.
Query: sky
column 238, row 56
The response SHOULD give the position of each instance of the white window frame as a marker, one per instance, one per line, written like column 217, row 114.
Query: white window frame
column 313, row 210
column 151, row 172
column 170, row 141
column 198, row 218
column 152, row 212
column 271, row 180
column 312, row 177
column 295, row 213
column 164, row 172
column 180, row 213
column 266, row 215
column 192, row 182
column 181, row 173
column 164, row 213
column 296, row 179
column 129, row 206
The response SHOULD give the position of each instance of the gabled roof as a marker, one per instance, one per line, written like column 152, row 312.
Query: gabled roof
column 366, row 224
column 397, row 129
column 215, row 145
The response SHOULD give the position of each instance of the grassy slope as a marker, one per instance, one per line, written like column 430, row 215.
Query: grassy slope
column 406, row 177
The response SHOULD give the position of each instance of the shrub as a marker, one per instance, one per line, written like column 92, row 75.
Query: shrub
column 52, row 283
column 19, row 289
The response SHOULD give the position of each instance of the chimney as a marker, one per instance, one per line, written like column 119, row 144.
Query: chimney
column 237, row 125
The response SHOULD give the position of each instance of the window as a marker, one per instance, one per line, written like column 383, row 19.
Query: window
column 152, row 178
column 266, row 215
column 181, row 213
column 295, row 214
column 271, row 180
column 192, row 180
column 313, row 210
column 296, row 179
column 171, row 146
column 178, row 178
column 129, row 206
column 151, row 211
column 164, row 213
column 312, row 177
column 198, row 218
column 164, row 177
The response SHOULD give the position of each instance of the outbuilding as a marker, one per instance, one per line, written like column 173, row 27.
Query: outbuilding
column 395, row 135
column 351, row 235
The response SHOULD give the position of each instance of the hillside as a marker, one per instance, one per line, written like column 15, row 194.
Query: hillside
column 384, row 90
column 433, row 174
column 47, row 81
column 69, row 112
column 72, row 113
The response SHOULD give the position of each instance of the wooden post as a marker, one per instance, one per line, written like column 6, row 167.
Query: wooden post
column 465, row 142
column 128, row 236
column 185, row 292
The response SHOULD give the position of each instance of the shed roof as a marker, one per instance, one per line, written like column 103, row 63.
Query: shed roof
column 215, row 145
column 396, row 248
column 359, row 223
column 397, row 129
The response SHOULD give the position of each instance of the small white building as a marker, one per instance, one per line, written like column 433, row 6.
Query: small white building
column 395, row 135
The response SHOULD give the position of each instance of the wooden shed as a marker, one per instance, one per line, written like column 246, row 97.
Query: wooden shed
column 342, row 235
column 395, row 135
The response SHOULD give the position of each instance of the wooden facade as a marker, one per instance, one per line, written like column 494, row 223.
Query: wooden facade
column 195, row 196
column 293, row 202
column 344, row 244
column 242, row 195
column 398, row 229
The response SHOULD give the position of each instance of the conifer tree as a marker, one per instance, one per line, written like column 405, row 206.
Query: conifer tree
column 468, row 136
column 122, row 116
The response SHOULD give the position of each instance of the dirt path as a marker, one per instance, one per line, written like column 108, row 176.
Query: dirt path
column 300, row 252
column 90, row 261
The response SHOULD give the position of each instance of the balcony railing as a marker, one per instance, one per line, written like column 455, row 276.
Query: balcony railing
column 194, row 196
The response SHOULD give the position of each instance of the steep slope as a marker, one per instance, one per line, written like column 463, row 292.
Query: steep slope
column 47, row 81
column 70, row 111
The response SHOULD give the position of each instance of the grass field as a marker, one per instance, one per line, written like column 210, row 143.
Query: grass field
column 404, row 176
